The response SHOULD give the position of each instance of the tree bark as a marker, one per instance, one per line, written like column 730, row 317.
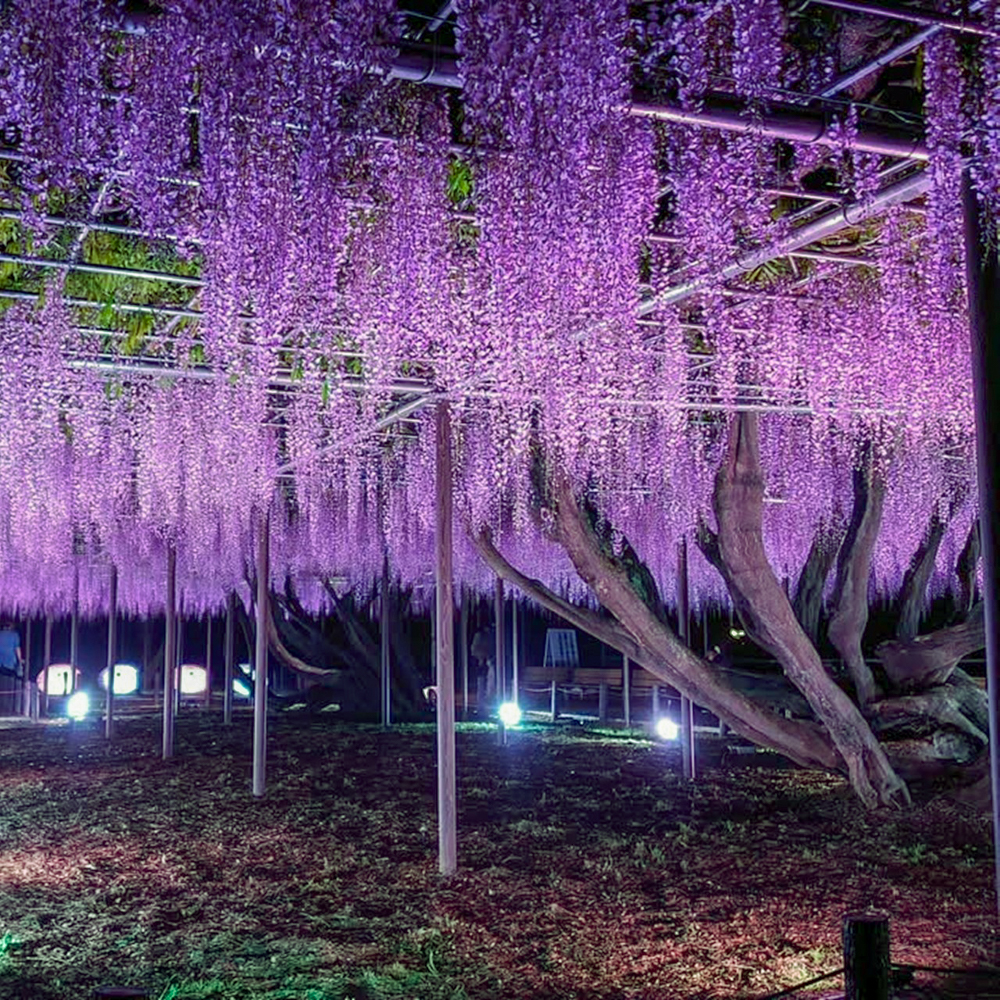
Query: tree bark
column 767, row 615
column 850, row 616
column 284, row 654
column 929, row 659
column 808, row 601
column 638, row 633
column 965, row 570
column 912, row 595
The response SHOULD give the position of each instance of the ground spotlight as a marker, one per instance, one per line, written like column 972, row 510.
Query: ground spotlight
column 192, row 679
column 667, row 729
column 126, row 679
column 78, row 706
column 510, row 714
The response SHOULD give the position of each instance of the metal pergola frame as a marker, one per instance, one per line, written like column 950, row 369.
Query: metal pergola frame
column 792, row 123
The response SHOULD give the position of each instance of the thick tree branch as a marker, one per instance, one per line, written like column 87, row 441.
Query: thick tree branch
column 606, row 629
column 284, row 654
column 659, row 650
column 929, row 659
column 965, row 569
column 854, row 564
column 912, row 595
column 808, row 600
column 768, row 618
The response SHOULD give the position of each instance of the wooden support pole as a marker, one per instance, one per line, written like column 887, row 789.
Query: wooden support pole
column 208, row 661
column 74, row 643
column 447, row 822
column 463, row 638
column 501, row 653
column 656, row 706
column 684, row 633
column 109, row 700
column 627, row 690
column 47, row 653
column 228, row 652
column 514, row 653
column 554, row 709
column 179, row 659
column 866, row 957
column 147, row 655
column 169, row 673
column 26, row 671
column 260, row 660
column 385, row 649
column 983, row 281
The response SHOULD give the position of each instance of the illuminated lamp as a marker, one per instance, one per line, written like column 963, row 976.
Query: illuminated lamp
column 667, row 729
column 510, row 714
column 78, row 706
column 61, row 680
column 126, row 679
column 192, row 679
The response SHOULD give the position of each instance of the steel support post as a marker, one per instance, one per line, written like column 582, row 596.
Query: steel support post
column 447, row 821
column 385, row 649
column 684, row 632
column 109, row 701
column 983, row 276
column 260, row 660
column 228, row 651
column 169, row 655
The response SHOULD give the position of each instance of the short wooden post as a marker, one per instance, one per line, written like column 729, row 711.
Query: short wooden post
column 228, row 657
column 169, row 656
column 554, row 710
column 260, row 660
column 866, row 956
column 627, row 690
column 447, row 806
column 602, row 702
column 385, row 649
column 109, row 701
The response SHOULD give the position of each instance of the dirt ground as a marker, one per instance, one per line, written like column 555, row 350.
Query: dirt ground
column 589, row 869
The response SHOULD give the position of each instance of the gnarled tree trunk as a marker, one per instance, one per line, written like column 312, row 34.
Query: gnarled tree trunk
column 925, row 660
column 854, row 564
column 808, row 601
column 913, row 593
column 768, row 618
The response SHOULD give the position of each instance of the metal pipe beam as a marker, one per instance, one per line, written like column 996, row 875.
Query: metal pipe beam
column 120, row 272
column 813, row 232
column 925, row 18
column 792, row 125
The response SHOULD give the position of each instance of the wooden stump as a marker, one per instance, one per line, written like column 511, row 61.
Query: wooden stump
column 866, row 956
